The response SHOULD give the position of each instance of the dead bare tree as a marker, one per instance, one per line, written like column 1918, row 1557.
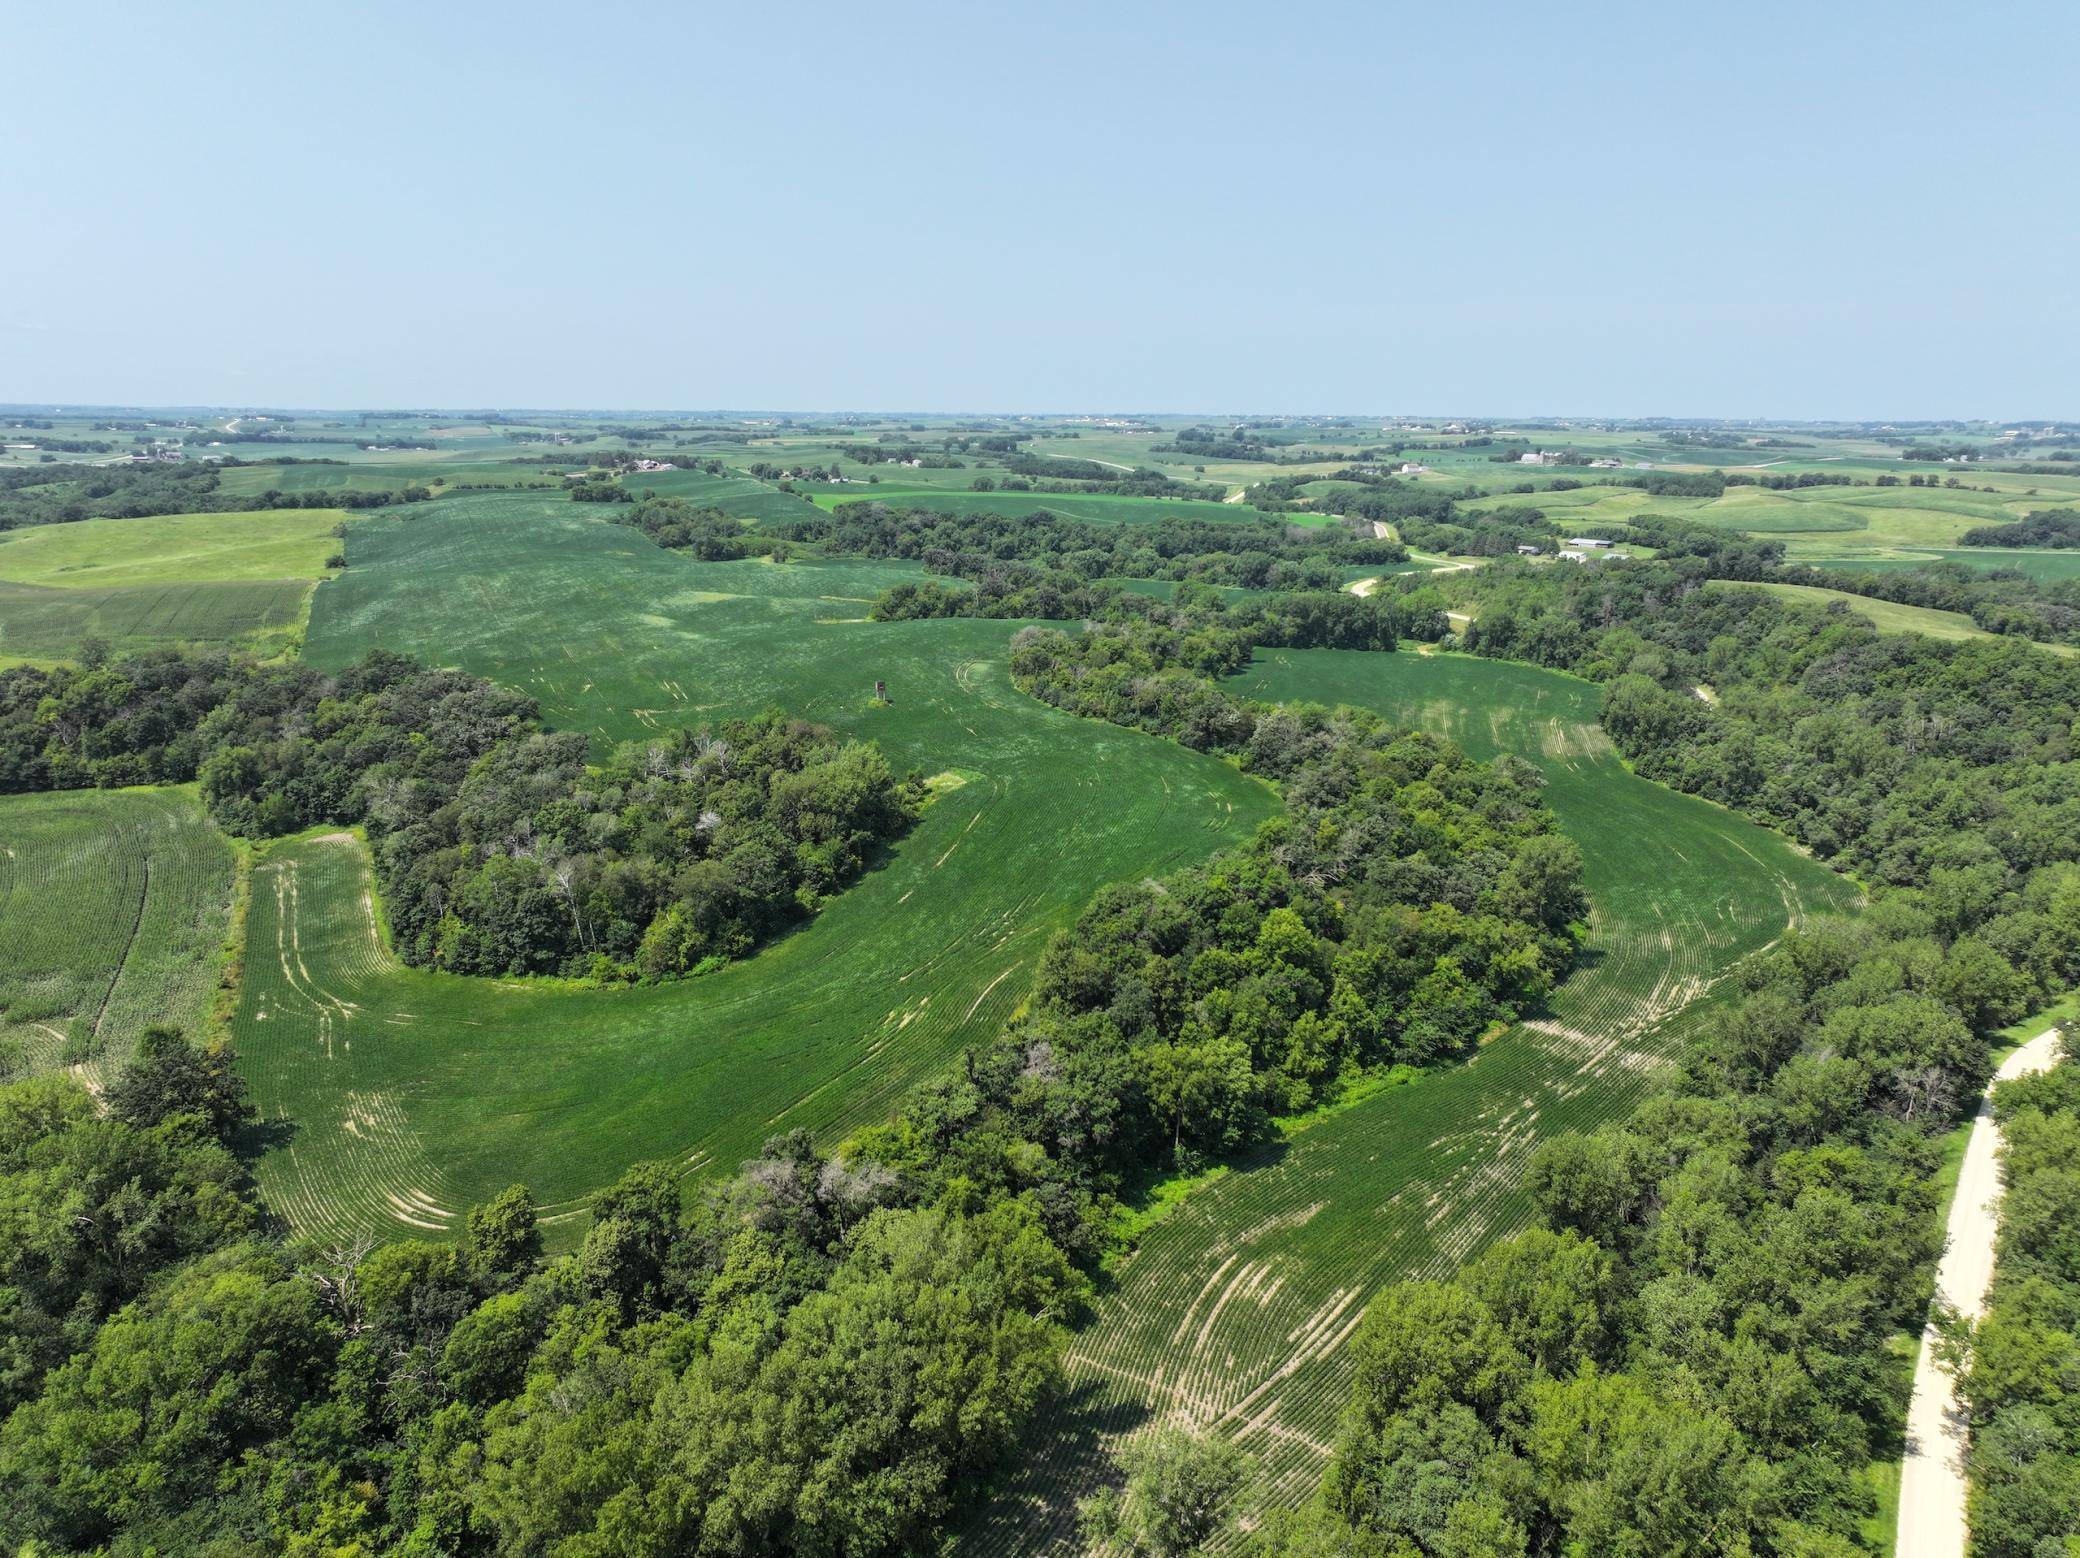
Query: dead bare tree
column 336, row 1274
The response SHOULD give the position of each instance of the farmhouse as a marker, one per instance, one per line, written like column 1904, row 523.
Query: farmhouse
column 1410, row 468
column 1573, row 555
column 655, row 465
column 1527, row 551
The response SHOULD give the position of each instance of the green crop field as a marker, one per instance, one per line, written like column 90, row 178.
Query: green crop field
column 1234, row 1311
column 192, row 579
column 50, row 624
column 113, row 910
column 275, row 544
column 413, row 1094
column 251, row 480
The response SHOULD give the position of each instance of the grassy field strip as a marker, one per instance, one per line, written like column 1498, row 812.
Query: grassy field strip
column 2044, row 566
column 412, row 1094
column 1234, row 1310
column 1887, row 616
column 113, row 909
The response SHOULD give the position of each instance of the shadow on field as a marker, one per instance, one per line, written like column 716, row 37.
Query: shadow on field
column 1035, row 1495
column 253, row 1141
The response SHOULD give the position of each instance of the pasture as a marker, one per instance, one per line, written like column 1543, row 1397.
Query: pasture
column 1233, row 1312
column 113, row 910
column 413, row 1094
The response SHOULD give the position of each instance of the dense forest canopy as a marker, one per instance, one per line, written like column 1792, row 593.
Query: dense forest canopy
column 802, row 1358
column 2058, row 528
column 1237, row 552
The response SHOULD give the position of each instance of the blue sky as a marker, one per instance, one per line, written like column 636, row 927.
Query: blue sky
column 1804, row 211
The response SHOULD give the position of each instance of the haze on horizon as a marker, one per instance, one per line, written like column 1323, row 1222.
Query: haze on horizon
column 1861, row 213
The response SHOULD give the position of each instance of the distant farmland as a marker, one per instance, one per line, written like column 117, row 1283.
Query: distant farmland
column 745, row 497
column 1822, row 524
column 1095, row 508
column 1234, row 1311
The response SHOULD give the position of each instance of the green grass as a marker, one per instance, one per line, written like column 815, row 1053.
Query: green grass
column 172, row 548
column 413, row 1094
column 1880, row 1529
column 1235, row 1309
column 113, row 909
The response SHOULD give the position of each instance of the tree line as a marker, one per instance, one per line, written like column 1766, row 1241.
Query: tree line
column 1241, row 553
column 2057, row 528
column 681, row 526
column 60, row 494
column 2021, row 1360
